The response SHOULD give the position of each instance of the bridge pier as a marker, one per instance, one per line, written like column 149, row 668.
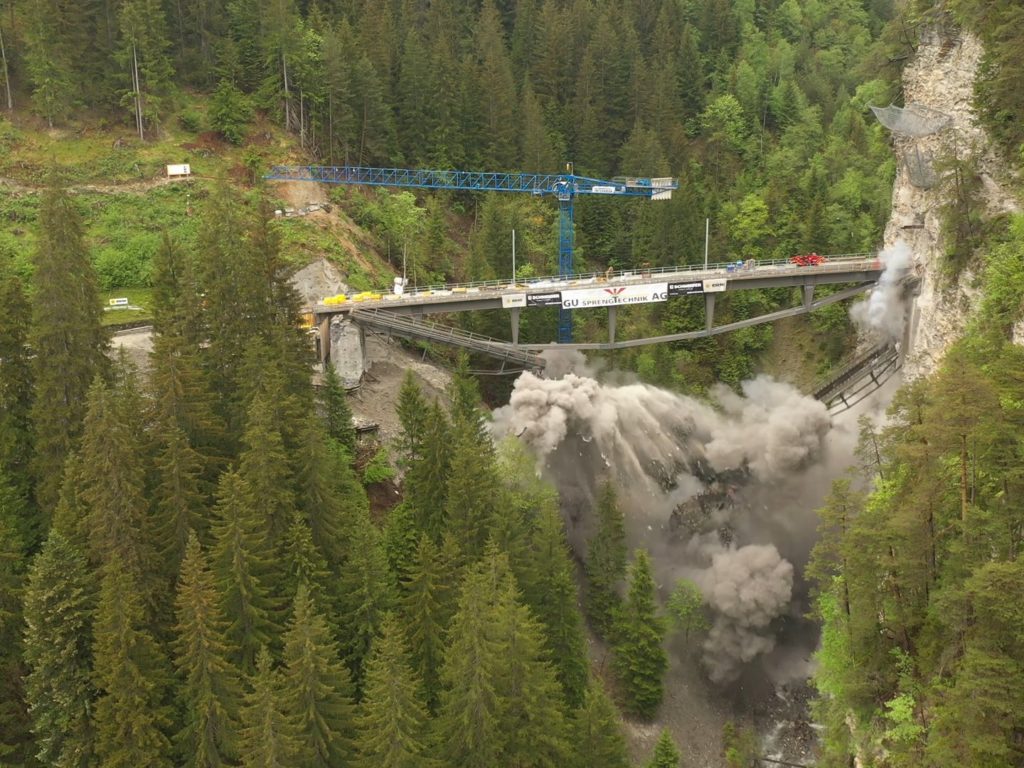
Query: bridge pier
column 709, row 312
column 611, row 324
column 514, row 312
column 808, row 296
column 346, row 350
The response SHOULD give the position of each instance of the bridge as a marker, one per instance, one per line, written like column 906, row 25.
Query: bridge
column 339, row 318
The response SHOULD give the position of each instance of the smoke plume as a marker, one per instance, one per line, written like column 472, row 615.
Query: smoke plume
column 747, row 588
column 883, row 311
column 664, row 449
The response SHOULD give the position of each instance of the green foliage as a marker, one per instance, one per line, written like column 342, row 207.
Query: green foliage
column 378, row 469
column 230, row 112
column 605, row 565
column 393, row 725
column 336, row 411
column 686, row 608
column 640, row 660
column 596, row 734
column 666, row 754
column 60, row 602
column 739, row 745
column 269, row 737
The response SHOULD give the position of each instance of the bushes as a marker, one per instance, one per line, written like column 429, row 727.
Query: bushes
column 127, row 266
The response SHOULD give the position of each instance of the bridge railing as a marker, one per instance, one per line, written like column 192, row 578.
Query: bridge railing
column 834, row 263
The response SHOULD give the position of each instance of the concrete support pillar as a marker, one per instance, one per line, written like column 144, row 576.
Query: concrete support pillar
column 808, row 296
column 709, row 311
column 514, row 312
column 324, row 326
column 611, row 324
column 347, row 346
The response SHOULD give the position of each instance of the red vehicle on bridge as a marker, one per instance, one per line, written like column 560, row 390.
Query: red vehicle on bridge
column 808, row 260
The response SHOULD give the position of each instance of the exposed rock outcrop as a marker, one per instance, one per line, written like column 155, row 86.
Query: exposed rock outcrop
column 940, row 77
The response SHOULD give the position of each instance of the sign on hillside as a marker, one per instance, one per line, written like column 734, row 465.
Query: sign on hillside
column 179, row 171
column 122, row 302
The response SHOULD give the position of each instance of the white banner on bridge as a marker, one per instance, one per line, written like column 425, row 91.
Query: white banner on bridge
column 611, row 297
column 716, row 285
column 509, row 300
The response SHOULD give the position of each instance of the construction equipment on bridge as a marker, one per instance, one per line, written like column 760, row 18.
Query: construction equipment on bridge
column 563, row 186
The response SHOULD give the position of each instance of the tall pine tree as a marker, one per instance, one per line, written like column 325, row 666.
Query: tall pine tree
column 67, row 340
column 605, row 565
column 640, row 660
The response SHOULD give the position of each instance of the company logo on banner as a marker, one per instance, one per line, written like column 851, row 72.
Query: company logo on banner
column 611, row 297
column 544, row 299
column 685, row 289
column 716, row 285
column 509, row 300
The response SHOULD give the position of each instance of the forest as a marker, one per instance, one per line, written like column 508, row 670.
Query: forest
column 191, row 571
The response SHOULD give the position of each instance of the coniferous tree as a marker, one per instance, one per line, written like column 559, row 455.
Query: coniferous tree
column 112, row 479
column 66, row 338
column 240, row 557
column 209, row 692
column 264, row 468
column 640, row 660
column 473, row 487
column 428, row 475
column 468, row 716
column 367, row 589
column 269, row 736
column 393, row 725
column 15, row 394
column 606, row 561
column 306, row 564
column 596, row 733
column 336, row 410
column 15, row 725
column 317, row 688
column 666, row 754
column 131, row 714
column 143, row 53
column 426, row 608
column 412, row 414
column 179, row 504
column 550, row 591
column 60, row 600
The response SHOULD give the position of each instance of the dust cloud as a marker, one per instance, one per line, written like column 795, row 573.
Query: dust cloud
column 883, row 312
column 664, row 450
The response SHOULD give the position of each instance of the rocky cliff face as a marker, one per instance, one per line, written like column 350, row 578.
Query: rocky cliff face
column 941, row 78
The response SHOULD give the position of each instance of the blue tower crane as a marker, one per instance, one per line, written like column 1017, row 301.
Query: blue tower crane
column 563, row 186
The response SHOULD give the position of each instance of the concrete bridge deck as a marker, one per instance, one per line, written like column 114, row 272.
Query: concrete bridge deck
column 677, row 281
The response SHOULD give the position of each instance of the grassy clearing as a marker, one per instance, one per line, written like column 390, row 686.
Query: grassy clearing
column 118, row 182
column 142, row 298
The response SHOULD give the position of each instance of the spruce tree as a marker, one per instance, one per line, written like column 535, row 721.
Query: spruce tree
column 269, row 736
column 640, row 660
column 113, row 493
column 473, row 489
column 531, row 703
column 131, row 714
column 317, row 688
column 401, row 538
column 468, row 716
column 263, row 465
column 60, row 601
column 393, row 726
column 15, row 725
column 144, row 54
column 209, row 690
column 306, row 565
column 16, row 394
column 666, row 754
column 179, row 505
column 426, row 482
column 66, row 338
column 367, row 590
column 605, row 565
column 426, row 608
column 328, row 489
column 240, row 561
column 550, row 591
column 596, row 732
column 412, row 414
column 336, row 411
